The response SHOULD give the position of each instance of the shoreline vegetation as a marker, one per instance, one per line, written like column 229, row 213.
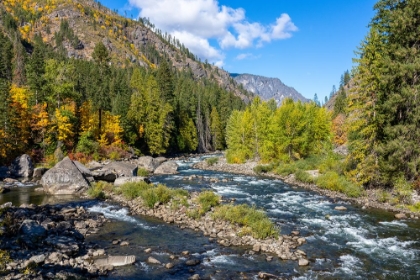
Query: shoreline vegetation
column 224, row 221
column 328, row 184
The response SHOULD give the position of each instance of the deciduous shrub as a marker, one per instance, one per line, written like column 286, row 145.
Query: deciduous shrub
column 254, row 221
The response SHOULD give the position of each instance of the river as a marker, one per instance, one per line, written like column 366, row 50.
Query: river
column 352, row 244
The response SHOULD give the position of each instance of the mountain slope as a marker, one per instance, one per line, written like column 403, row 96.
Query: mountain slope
column 268, row 88
column 129, row 42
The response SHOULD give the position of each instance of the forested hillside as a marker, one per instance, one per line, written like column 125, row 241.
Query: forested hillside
column 75, row 75
column 376, row 114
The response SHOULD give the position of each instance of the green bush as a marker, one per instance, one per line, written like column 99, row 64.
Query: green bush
column 133, row 190
column 211, row 161
column 253, row 221
column 87, row 144
column 150, row 194
column 97, row 190
column 383, row 196
column 142, row 172
column 334, row 182
column 286, row 169
column 329, row 181
column 403, row 190
column 207, row 200
column 304, row 177
column 260, row 169
column 414, row 207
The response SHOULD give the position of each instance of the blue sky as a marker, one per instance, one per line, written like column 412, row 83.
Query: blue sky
column 307, row 44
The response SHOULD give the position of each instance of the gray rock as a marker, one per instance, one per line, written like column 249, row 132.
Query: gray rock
column 265, row 275
column 256, row 247
column 159, row 160
column 22, row 167
column 303, row 262
column 94, row 165
column 192, row 262
column 38, row 259
column 194, row 277
column 147, row 163
column 148, row 250
column 122, row 180
column 104, row 175
column 152, row 260
column 115, row 261
column 169, row 265
column 39, row 171
column 32, row 232
column 340, row 208
column 122, row 168
column 168, row 167
column 114, row 170
column 64, row 178
column 85, row 171
column 65, row 244
column 400, row 216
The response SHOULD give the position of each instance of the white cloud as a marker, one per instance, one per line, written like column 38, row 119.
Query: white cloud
column 243, row 56
column 283, row 28
column 195, row 22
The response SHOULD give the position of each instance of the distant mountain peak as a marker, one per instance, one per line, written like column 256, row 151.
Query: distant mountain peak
column 268, row 88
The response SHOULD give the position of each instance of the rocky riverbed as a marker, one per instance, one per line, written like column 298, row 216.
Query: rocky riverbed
column 48, row 242
column 367, row 201
column 226, row 234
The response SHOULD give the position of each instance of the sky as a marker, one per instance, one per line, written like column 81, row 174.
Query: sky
column 307, row 44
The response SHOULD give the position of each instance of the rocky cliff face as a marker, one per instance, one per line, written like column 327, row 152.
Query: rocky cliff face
column 268, row 88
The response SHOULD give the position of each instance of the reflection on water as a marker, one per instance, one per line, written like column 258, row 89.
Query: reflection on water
column 29, row 195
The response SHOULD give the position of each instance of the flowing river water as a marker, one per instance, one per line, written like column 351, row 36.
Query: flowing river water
column 352, row 244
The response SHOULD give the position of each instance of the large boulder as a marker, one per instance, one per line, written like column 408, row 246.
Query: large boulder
column 22, row 167
column 114, row 170
column 64, row 178
column 168, row 167
column 147, row 163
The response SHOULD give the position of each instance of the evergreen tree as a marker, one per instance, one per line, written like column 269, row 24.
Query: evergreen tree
column 386, row 110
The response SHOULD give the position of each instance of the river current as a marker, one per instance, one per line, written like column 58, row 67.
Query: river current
column 352, row 244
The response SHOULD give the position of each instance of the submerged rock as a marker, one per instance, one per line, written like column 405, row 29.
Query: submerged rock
column 340, row 208
column 116, row 260
column 152, row 260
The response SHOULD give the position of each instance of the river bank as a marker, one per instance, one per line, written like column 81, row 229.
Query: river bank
column 225, row 233
column 369, row 200
column 48, row 241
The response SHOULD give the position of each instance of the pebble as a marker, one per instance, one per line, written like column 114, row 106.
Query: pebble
column 303, row 262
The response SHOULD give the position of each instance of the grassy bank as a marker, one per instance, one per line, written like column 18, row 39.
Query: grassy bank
column 328, row 172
